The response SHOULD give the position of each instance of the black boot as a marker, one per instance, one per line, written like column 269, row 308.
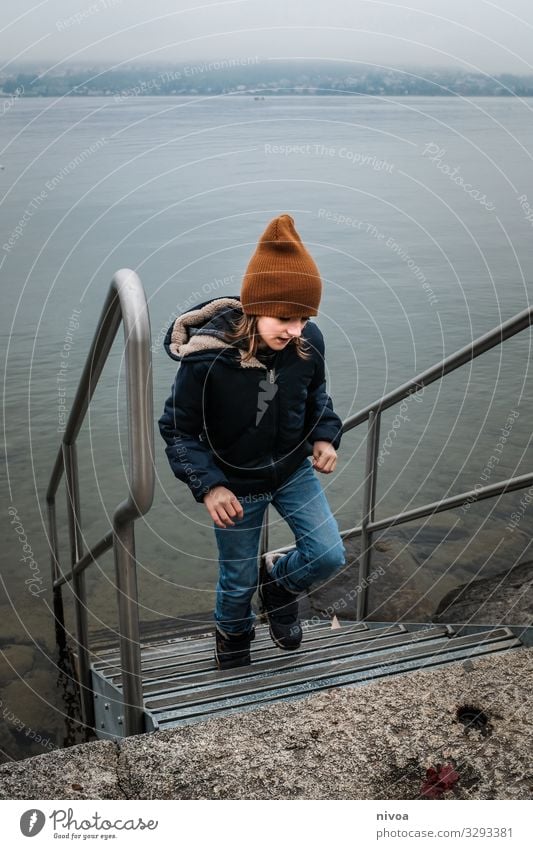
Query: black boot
column 233, row 650
column 281, row 609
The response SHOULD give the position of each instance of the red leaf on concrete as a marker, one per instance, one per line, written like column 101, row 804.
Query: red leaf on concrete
column 438, row 780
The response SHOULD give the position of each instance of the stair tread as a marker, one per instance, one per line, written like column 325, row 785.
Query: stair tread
column 107, row 639
column 181, row 684
column 274, row 661
column 180, row 662
column 176, row 716
column 185, row 644
column 236, row 685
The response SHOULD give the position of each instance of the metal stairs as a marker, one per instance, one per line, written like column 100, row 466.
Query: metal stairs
column 182, row 685
column 160, row 676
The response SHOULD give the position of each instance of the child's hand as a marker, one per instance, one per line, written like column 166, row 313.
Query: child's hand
column 222, row 504
column 324, row 457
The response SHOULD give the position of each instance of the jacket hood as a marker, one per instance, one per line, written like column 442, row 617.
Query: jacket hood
column 199, row 332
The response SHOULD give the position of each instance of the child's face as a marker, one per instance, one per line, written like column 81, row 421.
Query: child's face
column 277, row 332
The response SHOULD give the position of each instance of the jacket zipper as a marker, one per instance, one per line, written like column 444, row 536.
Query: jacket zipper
column 271, row 378
column 272, row 371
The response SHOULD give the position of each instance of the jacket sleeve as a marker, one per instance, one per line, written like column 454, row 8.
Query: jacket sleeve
column 322, row 423
column 181, row 426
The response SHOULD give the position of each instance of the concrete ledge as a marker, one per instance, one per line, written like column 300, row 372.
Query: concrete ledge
column 371, row 742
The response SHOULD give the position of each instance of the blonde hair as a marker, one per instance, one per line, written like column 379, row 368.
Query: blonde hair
column 246, row 328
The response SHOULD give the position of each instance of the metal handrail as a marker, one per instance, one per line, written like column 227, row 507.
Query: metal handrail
column 372, row 413
column 125, row 302
column 483, row 343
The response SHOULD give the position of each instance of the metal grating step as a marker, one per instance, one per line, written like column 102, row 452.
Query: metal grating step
column 240, row 685
column 197, row 642
column 357, row 669
column 202, row 659
column 171, row 719
column 153, row 631
column 274, row 662
column 181, row 683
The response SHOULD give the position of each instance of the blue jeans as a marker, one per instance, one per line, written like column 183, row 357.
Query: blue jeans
column 318, row 555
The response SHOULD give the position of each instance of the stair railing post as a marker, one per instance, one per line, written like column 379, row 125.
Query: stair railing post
column 70, row 460
column 128, row 620
column 265, row 529
column 369, row 501
column 57, row 594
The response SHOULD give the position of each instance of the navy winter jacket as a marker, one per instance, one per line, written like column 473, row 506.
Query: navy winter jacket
column 245, row 425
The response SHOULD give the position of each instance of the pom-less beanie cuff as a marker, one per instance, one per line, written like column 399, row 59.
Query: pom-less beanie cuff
column 282, row 279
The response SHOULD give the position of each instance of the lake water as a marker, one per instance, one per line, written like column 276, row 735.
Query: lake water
column 417, row 213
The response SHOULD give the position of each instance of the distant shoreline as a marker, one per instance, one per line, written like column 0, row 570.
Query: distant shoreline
column 252, row 76
column 337, row 95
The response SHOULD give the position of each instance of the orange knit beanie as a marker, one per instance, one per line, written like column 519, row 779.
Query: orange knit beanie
column 282, row 278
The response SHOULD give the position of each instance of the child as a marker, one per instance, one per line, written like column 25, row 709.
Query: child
column 248, row 408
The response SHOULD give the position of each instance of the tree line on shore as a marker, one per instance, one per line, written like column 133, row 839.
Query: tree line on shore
column 251, row 76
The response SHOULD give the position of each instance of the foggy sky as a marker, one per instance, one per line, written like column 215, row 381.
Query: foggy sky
column 472, row 34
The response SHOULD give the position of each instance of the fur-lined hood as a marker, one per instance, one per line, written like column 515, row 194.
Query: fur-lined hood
column 199, row 332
